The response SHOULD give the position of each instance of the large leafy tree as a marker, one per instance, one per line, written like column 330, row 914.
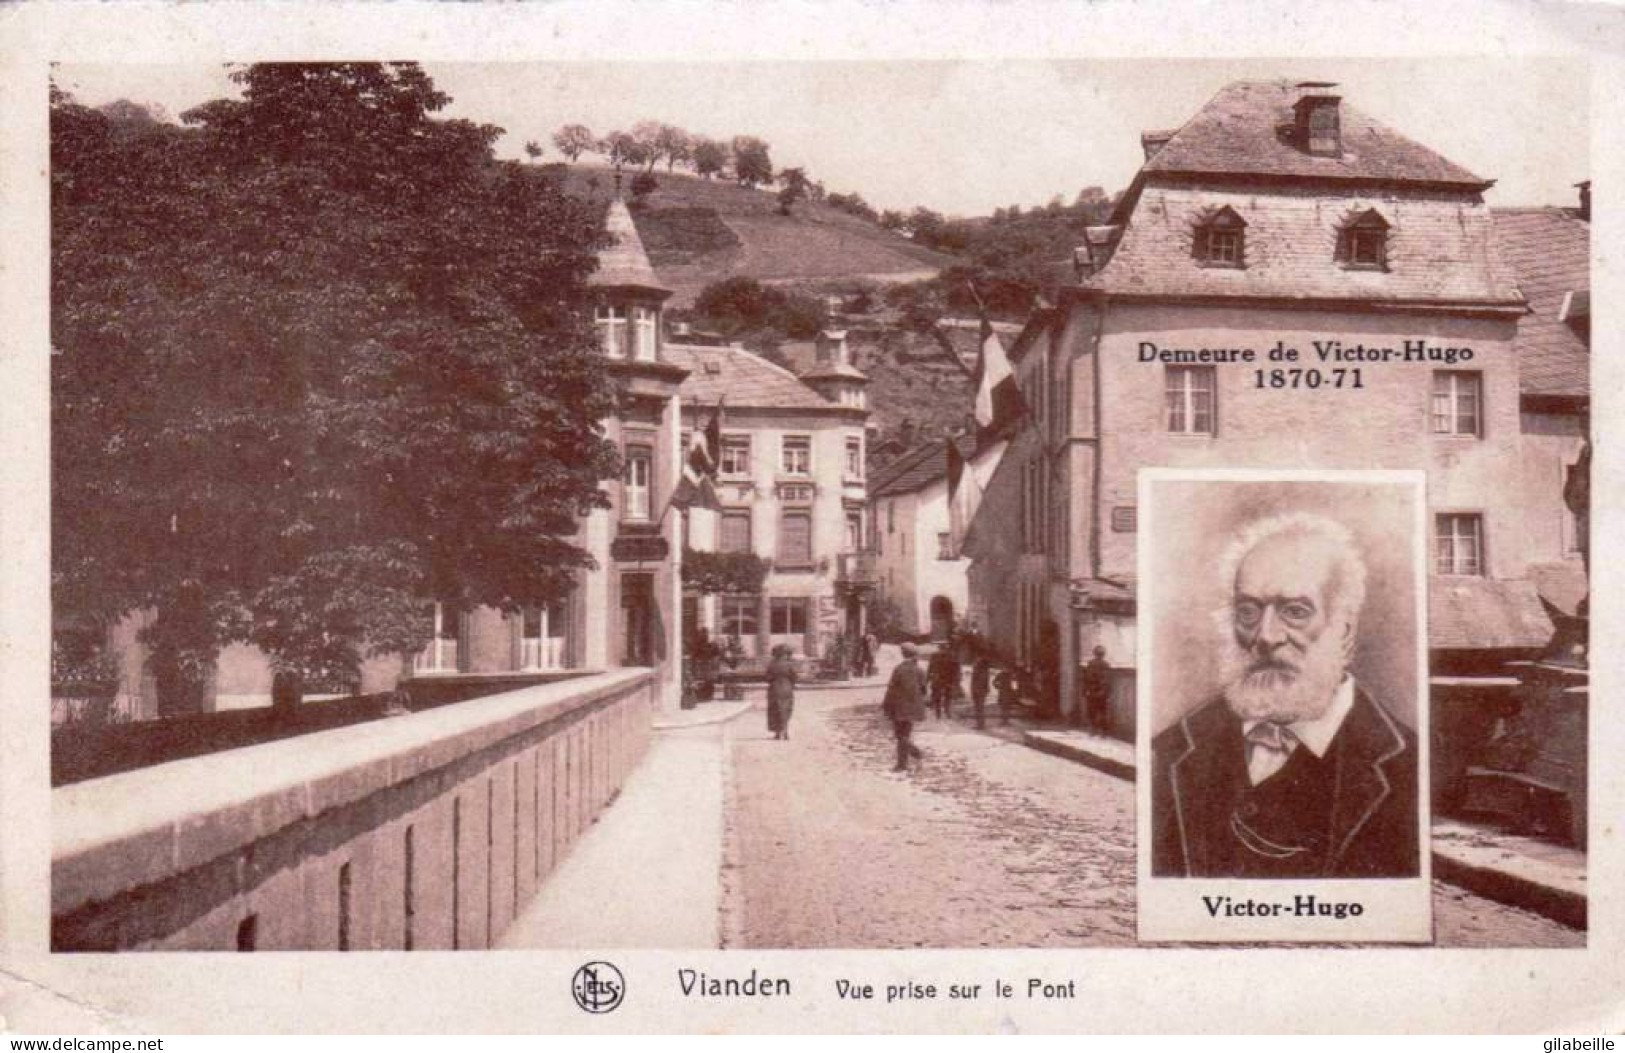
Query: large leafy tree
column 318, row 359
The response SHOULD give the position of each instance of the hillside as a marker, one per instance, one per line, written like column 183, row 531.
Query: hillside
column 701, row 231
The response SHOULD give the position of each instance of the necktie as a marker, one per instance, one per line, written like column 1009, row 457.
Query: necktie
column 1268, row 748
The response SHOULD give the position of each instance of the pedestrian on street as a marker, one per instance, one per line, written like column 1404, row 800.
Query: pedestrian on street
column 866, row 656
column 781, row 692
column 872, row 641
column 1006, row 685
column 943, row 676
column 981, row 674
column 904, row 705
column 1097, row 690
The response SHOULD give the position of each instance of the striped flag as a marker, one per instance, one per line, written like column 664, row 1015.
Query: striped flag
column 697, row 485
column 999, row 402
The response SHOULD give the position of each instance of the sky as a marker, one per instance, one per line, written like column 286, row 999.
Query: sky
column 965, row 138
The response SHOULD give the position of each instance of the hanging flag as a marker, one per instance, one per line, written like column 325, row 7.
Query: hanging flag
column 696, row 487
column 963, row 497
column 999, row 401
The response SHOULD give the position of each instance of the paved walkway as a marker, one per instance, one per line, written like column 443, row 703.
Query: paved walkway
column 648, row 872
column 990, row 844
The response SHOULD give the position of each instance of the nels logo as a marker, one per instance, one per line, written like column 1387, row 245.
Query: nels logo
column 598, row 987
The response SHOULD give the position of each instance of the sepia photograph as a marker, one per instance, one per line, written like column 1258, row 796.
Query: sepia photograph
column 651, row 518
column 1282, row 725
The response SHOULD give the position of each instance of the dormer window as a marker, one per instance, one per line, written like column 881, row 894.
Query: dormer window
column 1362, row 244
column 1221, row 240
column 1319, row 121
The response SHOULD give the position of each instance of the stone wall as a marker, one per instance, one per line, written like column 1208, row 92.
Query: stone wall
column 426, row 831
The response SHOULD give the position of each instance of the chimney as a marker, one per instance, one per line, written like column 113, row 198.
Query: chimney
column 1319, row 119
column 831, row 348
column 1585, row 200
column 1153, row 141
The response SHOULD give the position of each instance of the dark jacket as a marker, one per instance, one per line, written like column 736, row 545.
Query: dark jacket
column 781, row 680
column 981, row 673
column 1363, row 826
column 905, row 693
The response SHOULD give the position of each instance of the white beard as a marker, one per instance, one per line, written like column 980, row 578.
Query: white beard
column 1282, row 695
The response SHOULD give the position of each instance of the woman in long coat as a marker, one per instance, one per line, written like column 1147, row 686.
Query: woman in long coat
column 781, row 692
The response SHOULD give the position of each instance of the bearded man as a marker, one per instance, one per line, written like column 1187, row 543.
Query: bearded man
column 1294, row 771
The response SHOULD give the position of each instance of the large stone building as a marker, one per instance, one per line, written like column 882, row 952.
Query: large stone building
column 1278, row 215
column 792, row 488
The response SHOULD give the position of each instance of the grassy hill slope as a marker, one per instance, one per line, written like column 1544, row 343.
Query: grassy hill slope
column 701, row 231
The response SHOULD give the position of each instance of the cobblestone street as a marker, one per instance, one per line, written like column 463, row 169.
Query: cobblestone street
column 989, row 844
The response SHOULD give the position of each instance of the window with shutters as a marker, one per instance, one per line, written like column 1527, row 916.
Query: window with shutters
column 734, row 533
column 795, row 539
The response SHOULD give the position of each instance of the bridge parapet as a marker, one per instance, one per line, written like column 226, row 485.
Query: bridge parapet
column 425, row 831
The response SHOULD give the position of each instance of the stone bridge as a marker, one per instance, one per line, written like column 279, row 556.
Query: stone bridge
column 425, row 831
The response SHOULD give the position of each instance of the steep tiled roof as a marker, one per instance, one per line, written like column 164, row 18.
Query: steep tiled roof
column 746, row 380
column 912, row 470
column 1550, row 252
column 1440, row 249
column 624, row 264
column 1478, row 613
column 1563, row 585
column 1240, row 132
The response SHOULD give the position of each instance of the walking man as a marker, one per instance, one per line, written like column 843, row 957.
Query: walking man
column 904, row 705
column 981, row 675
column 1097, row 690
column 943, row 676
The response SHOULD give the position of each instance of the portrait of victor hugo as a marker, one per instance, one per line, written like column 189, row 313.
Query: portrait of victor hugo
column 1285, row 724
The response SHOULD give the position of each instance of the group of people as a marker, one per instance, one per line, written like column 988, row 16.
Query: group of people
column 942, row 682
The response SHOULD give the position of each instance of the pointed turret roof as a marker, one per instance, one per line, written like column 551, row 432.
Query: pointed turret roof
column 624, row 264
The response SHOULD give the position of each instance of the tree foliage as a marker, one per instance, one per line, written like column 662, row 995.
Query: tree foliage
column 741, row 304
column 724, row 573
column 752, row 164
column 710, row 157
column 573, row 140
column 795, row 185
column 318, row 359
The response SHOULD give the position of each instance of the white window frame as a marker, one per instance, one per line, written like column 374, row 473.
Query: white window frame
column 733, row 609
column 611, row 320
column 775, row 604
column 440, row 655
column 1449, row 537
column 636, row 494
column 1444, row 410
column 546, row 651
column 1180, row 390
column 854, row 457
column 729, row 462
column 645, row 343
column 796, row 444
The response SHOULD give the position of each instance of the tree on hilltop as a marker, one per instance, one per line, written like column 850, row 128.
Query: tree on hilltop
column 752, row 165
column 710, row 157
column 573, row 140
column 795, row 184
column 533, row 150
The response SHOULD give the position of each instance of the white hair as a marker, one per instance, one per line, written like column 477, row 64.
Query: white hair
column 1348, row 573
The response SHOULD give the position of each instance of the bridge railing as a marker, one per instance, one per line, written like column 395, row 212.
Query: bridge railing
column 425, row 831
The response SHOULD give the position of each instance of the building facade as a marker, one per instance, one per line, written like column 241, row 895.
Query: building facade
column 791, row 482
column 921, row 577
column 1280, row 263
